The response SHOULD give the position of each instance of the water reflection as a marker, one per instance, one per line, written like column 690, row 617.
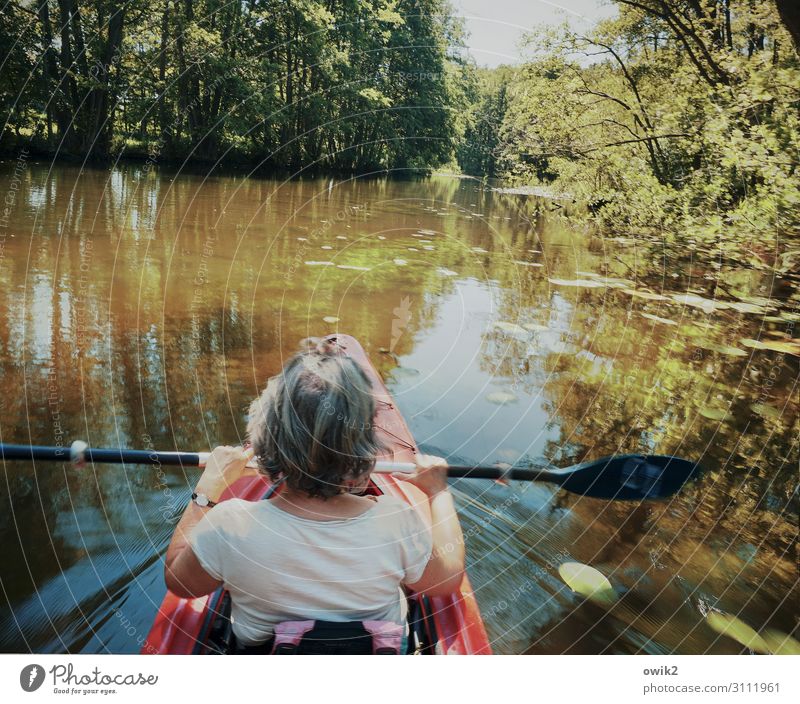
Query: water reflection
column 146, row 310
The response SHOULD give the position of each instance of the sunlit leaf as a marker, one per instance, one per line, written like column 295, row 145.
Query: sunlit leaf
column 705, row 304
column 714, row 414
column 780, row 643
column 767, row 411
column 659, row 319
column 582, row 283
column 726, row 349
column 501, row 398
column 511, row 329
column 647, row 295
column 729, row 625
column 588, row 582
column 783, row 346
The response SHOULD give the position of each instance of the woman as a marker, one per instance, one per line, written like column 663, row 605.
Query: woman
column 318, row 550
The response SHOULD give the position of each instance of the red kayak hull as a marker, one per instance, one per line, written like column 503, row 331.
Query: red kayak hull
column 457, row 626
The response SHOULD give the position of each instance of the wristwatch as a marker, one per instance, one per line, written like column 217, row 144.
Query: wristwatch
column 203, row 500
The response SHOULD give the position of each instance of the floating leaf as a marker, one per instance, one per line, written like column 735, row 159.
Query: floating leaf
column 501, row 398
column 588, row 582
column 755, row 344
column 447, row 272
column 647, row 295
column 714, row 414
column 331, row 319
column 725, row 349
column 585, row 283
column 319, row 263
column 404, row 372
column 658, row 319
column 785, row 346
column 728, row 625
column 705, row 304
column 767, row 411
column 743, row 307
column 780, row 643
column 511, row 329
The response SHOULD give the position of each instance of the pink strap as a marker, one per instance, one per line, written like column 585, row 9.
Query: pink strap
column 290, row 633
column 386, row 635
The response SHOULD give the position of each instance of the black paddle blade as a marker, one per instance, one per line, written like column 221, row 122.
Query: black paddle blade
column 629, row 477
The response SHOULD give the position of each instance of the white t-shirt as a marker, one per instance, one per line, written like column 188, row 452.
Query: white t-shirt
column 279, row 567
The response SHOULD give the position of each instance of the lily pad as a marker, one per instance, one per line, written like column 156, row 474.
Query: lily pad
column 767, row 411
column 706, row 304
column 726, row 349
column 714, row 414
column 501, row 398
column 588, row 582
column 581, row 283
column 511, row 329
column 780, row 643
column 331, row 319
column 744, row 307
column 647, row 295
column 729, row 625
column 785, row 346
column 659, row 319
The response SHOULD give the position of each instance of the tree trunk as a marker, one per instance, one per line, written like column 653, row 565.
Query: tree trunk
column 789, row 10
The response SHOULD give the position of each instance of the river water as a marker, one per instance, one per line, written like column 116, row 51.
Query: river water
column 146, row 310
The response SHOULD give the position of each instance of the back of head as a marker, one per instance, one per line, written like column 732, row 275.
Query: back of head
column 312, row 425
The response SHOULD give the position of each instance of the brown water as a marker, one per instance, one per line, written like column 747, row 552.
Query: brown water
column 146, row 310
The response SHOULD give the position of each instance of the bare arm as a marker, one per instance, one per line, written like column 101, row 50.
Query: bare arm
column 183, row 572
column 445, row 570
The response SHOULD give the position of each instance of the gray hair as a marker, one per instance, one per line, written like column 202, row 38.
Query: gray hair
column 313, row 424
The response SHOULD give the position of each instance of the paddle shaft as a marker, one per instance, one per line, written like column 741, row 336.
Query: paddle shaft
column 198, row 459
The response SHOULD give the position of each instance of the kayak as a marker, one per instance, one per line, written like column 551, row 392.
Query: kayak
column 440, row 625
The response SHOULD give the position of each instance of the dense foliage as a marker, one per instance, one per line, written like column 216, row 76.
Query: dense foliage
column 676, row 120
column 336, row 84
